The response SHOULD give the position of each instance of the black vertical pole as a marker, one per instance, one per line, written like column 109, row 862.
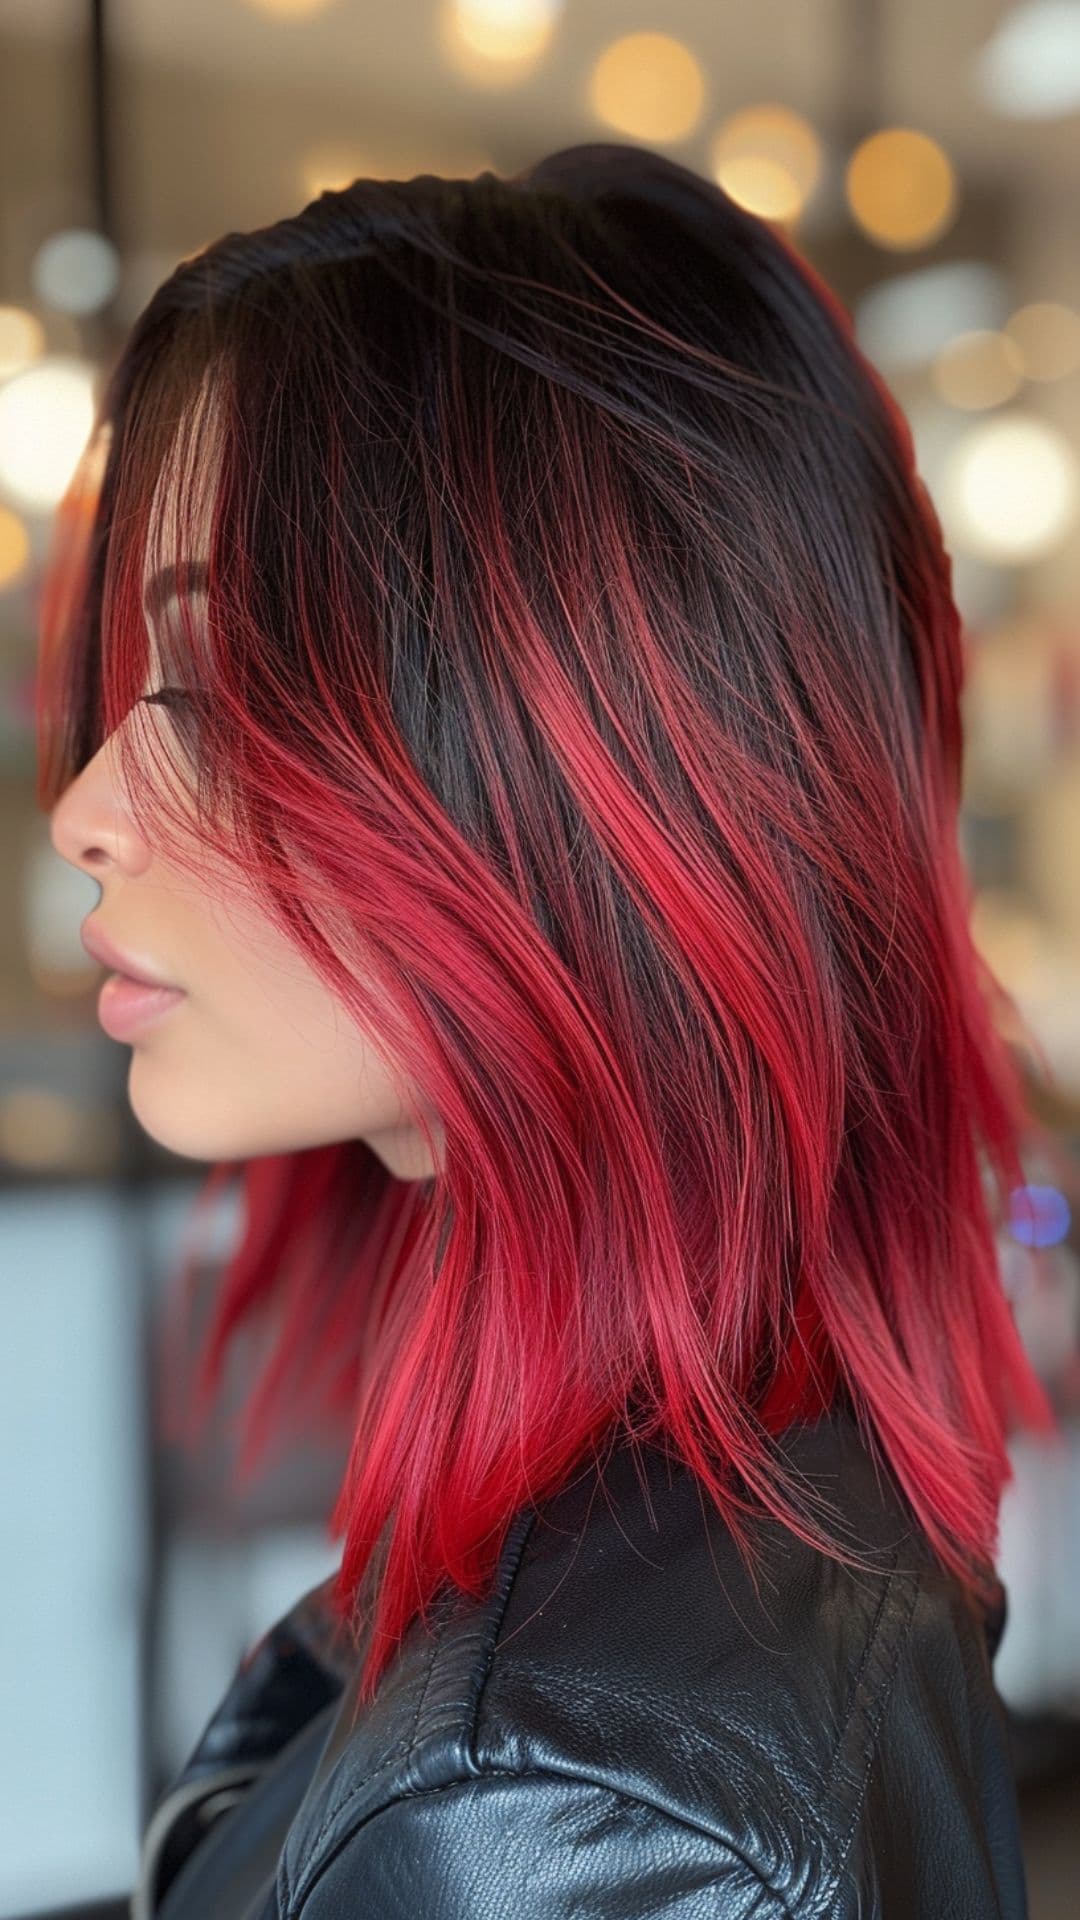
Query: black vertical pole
column 100, row 155
column 101, row 330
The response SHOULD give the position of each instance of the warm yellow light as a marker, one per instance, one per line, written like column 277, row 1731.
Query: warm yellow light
column 648, row 85
column 491, row 41
column 1010, row 492
column 22, row 339
column 290, row 9
column 768, row 159
column 331, row 168
column 762, row 186
column 901, row 188
column 1047, row 336
column 46, row 414
column 979, row 368
column 14, row 547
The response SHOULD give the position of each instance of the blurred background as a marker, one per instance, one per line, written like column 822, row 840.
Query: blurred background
column 926, row 159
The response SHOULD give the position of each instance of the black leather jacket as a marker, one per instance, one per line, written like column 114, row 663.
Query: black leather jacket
column 623, row 1730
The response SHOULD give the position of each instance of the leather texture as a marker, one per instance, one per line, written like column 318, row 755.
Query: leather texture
column 256, row 1756
column 626, row 1729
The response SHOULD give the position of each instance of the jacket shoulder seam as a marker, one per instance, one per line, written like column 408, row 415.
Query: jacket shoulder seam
column 871, row 1690
column 426, row 1793
column 474, row 1662
column 875, row 1705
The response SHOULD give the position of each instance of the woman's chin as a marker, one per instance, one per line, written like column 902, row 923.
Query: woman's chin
column 185, row 1122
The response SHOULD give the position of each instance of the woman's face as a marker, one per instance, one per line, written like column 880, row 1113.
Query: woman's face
column 258, row 1057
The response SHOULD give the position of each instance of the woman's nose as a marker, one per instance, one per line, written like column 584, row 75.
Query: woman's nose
column 89, row 826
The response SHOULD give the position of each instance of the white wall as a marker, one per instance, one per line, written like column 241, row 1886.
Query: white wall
column 72, row 1542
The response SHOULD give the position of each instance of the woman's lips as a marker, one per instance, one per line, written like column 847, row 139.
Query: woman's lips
column 102, row 948
column 126, row 1007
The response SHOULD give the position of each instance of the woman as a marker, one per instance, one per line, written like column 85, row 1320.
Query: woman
column 500, row 664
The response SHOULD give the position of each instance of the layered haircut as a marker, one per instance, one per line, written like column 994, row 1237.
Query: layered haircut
column 576, row 682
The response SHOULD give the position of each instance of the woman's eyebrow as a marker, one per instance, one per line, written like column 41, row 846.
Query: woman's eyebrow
column 170, row 581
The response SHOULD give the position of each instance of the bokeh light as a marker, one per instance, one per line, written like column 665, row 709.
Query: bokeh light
column 1038, row 1216
column 77, row 271
column 22, row 340
column 1046, row 335
column 14, row 548
column 648, row 85
column 768, row 158
column 901, row 188
column 493, row 41
column 287, row 10
column 46, row 415
column 979, row 368
column 1009, row 489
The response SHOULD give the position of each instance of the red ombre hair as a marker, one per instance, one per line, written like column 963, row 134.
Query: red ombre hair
column 577, row 683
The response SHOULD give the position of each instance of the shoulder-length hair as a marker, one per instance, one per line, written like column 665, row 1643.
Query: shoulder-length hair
column 577, row 682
